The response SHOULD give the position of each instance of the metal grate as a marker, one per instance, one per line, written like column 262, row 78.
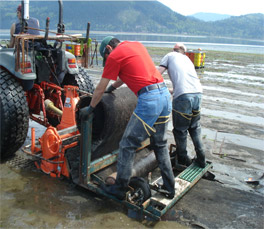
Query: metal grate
column 190, row 173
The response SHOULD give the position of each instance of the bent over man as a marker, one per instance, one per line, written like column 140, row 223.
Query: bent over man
column 187, row 98
column 130, row 63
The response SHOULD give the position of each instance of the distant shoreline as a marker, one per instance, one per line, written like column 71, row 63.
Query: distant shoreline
column 161, row 40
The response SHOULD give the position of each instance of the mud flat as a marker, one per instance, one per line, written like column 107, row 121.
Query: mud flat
column 232, row 131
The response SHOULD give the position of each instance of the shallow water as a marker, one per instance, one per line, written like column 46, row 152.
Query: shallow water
column 31, row 199
column 234, row 116
column 234, row 102
column 229, row 90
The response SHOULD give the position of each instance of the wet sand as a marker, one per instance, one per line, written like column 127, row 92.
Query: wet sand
column 233, row 133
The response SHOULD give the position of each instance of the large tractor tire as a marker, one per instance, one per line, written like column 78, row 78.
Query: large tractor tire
column 82, row 80
column 14, row 115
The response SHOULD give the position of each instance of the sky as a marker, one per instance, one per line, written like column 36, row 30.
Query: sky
column 231, row 7
column 188, row 7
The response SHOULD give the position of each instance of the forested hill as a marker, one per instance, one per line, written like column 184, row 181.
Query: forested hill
column 132, row 16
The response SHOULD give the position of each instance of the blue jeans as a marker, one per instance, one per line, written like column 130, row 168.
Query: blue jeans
column 149, row 120
column 186, row 118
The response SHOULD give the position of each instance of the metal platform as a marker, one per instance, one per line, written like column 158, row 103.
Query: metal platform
column 158, row 205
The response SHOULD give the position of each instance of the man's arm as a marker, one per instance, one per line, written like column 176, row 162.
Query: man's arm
column 99, row 91
column 114, row 86
column 12, row 39
column 162, row 69
column 117, row 83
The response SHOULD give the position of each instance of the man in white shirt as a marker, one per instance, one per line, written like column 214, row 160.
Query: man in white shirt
column 187, row 98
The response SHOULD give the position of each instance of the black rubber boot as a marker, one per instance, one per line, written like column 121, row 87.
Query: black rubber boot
column 117, row 190
column 200, row 161
column 183, row 160
column 162, row 190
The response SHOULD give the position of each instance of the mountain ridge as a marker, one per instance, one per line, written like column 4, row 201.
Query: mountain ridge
column 133, row 16
column 210, row 16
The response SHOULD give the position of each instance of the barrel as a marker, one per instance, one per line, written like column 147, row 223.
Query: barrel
column 197, row 59
column 77, row 49
column 69, row 48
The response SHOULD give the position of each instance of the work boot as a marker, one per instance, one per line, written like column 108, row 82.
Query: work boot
column 117, row 190
column 184, row 160
column 200, row 161
column 200, row 158
column 162, row 189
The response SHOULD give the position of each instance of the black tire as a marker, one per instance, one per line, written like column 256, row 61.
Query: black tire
column 14, row 115
column 82, row 80
column 142, row 188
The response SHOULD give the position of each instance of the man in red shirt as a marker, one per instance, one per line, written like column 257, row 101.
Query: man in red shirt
column 129, row 63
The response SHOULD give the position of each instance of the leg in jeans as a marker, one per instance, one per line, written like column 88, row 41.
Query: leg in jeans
column 182, row 115
column 195, row 131
column 159, row 145
column 134, row 135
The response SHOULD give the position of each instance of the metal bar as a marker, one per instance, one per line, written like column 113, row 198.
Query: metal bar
column 102, row 162
column 86, row 149
column 68, row 130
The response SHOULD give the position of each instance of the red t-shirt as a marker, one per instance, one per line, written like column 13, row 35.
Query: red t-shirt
column 131, row 62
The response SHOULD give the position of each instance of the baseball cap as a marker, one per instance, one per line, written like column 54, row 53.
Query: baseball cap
column 103, row 45
column 180, row 46
column 19, row 8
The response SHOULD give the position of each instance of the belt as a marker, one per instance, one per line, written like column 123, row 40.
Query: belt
column 151, row 87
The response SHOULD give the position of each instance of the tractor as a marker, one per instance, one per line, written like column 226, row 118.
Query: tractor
column 33, row 75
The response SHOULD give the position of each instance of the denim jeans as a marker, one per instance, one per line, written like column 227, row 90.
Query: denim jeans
column 186, row 118
column 149, row 120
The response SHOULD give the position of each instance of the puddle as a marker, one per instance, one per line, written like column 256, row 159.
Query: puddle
column 235, row 177
column 236, row 139
column 230, row 138
column 30, row 199
column 236, row 76
column 234, row 116
column 229, row 90
column 236, row 81
column 234, row 102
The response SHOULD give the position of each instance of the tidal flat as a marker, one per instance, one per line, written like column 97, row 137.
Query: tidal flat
column 232, row 131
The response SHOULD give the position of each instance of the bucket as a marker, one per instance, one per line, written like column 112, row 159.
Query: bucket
column 77, row 49
column 69, row 48
column 197, row 59
column 190, row 55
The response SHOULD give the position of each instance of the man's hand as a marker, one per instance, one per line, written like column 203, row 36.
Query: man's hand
column 85, row 112
column 110, row 89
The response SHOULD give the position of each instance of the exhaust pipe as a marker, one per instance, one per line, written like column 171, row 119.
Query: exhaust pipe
column 25, row 15
column 60, row 27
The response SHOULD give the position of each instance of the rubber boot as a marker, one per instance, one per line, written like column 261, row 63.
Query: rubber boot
column 184, row 160
column 118, row 190
column 200, row 159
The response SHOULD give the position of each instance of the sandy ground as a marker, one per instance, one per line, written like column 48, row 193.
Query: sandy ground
column 233, row 133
